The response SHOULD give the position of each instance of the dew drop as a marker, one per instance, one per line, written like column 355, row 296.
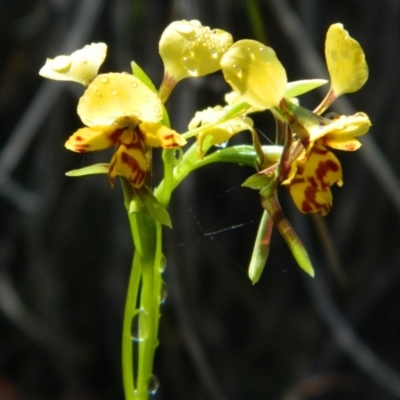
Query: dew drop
column 222, row 145
column 134, row 84
column 153, row 385
column 98, row 93
column 62, row 63
column 345, row 54
column 163, row 263
column 214, row 53
column 163, row 293
column 237, row 71
column 184, row 28
column 191, row 65
column 178, row 154
column 157, row 109
column 114, row 92
column 335, row 55
column 104, row 79
column 140, row 325
column 147, row 97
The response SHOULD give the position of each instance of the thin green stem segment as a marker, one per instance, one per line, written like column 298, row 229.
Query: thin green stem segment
column 142, row 310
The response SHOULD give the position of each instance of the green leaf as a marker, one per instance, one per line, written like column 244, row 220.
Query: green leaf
column 257, row 181
column 90, row 170
column 155, row 209
column 297, row 88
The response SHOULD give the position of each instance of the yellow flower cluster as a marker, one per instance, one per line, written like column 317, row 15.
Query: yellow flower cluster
column 121, row 110
column 310, row 169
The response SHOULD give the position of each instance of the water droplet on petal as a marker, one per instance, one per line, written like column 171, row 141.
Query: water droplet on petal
column 62, row 63
column 163, row 292
column 222, row 145
column 157, row 109
column 114, row 92
column 184, row 27
column 147, row 97
column 335, row 55
column 237, row 70
column 153, row 385
column 214, row 53
column 140, row 325
column 163, row 263
column 191, row 65
column 104, row 79
column 134, row 84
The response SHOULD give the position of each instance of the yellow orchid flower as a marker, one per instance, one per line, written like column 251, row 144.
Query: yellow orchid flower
column 81, row 66
column 338, row 132
column 303, row 176
column 311, row 178
column 118, row 109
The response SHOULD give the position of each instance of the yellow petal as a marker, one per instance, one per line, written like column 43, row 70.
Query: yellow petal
column 221, row 132
column 157, row 135
column 345, row 60
column 314, row 127
column 92, row 139
column 254, row 71
column 341, row 142
column 129, row 162
column 112, row 97
column 189, row 49
column 310, row 188
column 81, row 66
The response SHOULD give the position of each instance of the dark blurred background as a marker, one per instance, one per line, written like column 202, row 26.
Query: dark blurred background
column 65, row 249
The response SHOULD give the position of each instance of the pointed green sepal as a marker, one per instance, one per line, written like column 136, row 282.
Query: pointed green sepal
column 90, row 170
column 155, row 209
column 297, row 88
column 258, row 181
column 140, row 74
column 294, row 243
column 261, row 248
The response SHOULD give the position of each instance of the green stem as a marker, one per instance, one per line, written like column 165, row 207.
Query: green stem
column 241, row 155
column 142, row 310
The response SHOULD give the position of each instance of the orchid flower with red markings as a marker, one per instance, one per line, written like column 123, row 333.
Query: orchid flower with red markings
column 118, row 109
column 309, row 168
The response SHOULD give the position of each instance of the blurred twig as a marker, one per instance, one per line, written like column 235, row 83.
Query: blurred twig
column 348, row 340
